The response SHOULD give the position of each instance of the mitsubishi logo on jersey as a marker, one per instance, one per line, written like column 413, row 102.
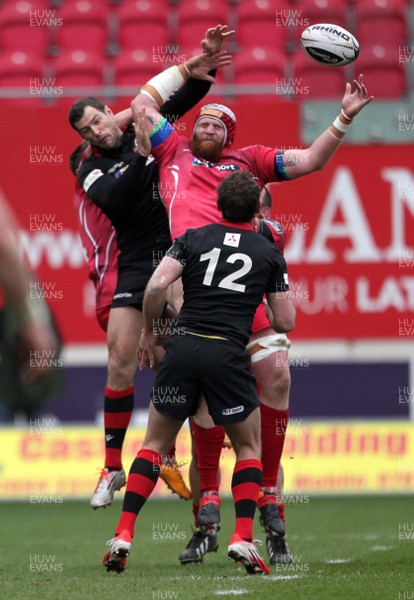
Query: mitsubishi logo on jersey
column 232, row 239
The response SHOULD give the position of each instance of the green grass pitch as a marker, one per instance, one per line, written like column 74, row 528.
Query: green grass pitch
column 343, row 548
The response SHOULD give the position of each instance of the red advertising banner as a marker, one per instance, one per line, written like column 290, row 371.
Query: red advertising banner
column 350, row 248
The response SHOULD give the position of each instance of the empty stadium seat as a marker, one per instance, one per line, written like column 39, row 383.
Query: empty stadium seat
column 18, row 68
column 85, row 26
column 263, row 22
column 143, row 23
column 134, row 67
column 259, row 65
column 383, row 69
column 25, row 71
column 79, row 68
column 381, row 21
column 324, row 11
column 25, row 25
column 317, row 81
column 311, row 12
column 196, row 16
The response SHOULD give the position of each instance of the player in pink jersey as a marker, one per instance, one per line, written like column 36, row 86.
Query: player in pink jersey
column 98, row 239
column 190, row 172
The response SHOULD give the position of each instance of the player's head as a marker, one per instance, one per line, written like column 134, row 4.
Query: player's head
column 238, row 197
column 214, row 129
column 75, row 157
column 95, row 122
column 265, row 202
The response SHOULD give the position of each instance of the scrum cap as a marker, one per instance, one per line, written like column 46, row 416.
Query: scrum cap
column 224, row 115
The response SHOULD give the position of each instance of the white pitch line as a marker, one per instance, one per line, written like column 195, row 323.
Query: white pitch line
column 231, row 592
column 337, row 561
column 279, row 577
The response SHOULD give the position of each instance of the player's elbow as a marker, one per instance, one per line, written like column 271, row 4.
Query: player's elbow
column 284, row 323
column 144, row 101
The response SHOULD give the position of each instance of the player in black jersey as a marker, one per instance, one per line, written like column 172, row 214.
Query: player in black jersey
column 226, row 268
column 124, row 184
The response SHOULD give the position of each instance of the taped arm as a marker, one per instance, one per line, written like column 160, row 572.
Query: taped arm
column 186, row 98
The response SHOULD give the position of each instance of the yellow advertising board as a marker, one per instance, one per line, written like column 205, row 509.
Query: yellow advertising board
column 52, row 463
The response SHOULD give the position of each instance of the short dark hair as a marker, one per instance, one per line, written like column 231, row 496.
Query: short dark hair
column 267, row 198
column 238, row 197
column 75, row 157
column 78, row 108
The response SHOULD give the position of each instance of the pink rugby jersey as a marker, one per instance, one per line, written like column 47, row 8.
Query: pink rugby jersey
column 188, row 185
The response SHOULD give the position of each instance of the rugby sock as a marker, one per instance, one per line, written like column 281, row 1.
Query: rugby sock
column 245, row 487
column 209, row 443
column 274, row 424
column 142, row 479
column 118, row 407
column 195, row 513
column 170, row 457
column 281, row 508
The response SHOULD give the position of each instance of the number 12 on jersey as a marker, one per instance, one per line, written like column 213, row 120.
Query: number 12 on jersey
column 228, row 282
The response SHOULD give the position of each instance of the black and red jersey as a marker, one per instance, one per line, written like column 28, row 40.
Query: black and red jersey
column 227, row 270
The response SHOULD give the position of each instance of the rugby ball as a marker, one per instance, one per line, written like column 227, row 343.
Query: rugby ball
column 329, row 44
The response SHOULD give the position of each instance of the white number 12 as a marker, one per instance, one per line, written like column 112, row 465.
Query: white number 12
column 228, row 282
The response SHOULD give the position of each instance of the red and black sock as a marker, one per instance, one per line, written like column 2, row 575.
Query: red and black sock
column 195, row 513
column 281, row 507
column 274, row 424
column 209, row 443
column 142, row 479
column 118, row 408
column 245, row 487
column 170, row 456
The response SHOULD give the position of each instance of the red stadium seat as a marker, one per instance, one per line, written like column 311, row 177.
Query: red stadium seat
column 23, row 70
column 263, row 22
column 25, row 25
column 196, row 16
column 134, row 67
column 143, row 24
column 383, row 69
column 381, row 21
column 79, row 68
column 317, row 81
column 311, row 12
column 85, row 26
column 18, row 68
column 259, row 66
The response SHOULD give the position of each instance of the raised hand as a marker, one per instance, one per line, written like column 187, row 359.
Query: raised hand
column 141, row 131
column 200, row 65
column 215, row 38
column 353, row 102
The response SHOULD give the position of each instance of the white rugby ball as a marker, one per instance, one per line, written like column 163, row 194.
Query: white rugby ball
column 329, row 44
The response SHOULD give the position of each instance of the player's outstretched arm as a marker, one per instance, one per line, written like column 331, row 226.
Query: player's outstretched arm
column 158, row 89
column 155, row 298
column 303, row 162
column 284, row 313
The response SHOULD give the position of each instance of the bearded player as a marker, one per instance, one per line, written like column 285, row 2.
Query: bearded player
column 191, row 170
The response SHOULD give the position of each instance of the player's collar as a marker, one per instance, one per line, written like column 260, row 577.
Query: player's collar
column 237, row 225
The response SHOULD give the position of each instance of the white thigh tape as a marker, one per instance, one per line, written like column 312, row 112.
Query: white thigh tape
column 269, row 344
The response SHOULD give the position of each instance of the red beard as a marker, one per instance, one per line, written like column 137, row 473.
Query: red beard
column 206, row 149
